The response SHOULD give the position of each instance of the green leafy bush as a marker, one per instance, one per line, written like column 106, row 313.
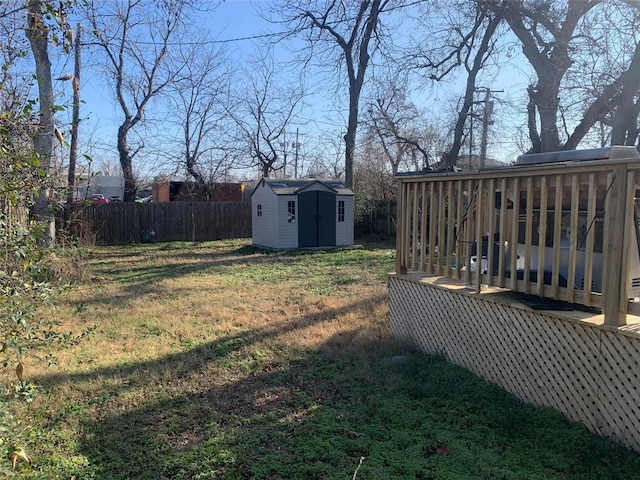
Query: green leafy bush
column 30, row 280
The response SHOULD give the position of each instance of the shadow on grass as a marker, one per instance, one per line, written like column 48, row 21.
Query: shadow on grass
column 313, row 415
column 142, row 276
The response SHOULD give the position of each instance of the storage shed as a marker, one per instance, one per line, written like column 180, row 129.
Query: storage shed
column 302, row 213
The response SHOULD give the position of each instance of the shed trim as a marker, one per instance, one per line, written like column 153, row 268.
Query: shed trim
column 293, row 186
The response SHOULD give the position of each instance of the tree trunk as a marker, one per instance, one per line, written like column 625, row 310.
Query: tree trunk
column 130, row 188
column 350, row 136
column 451, row 157
column 356, row 80
column 549, row 59
column 75, row 122
column 192, row 169
column 38, row 35
column 532, row 121
column 625, row 122
column 355, row 51
column 546, row 100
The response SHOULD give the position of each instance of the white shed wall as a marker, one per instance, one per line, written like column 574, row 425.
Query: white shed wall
column 288, row 230
column 344, row 230
column 265, row 231
column 107, row 185
column 273, row 229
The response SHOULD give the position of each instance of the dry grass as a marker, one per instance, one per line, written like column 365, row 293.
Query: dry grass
column 216, row 360
column 180, row 320
column 163, row 304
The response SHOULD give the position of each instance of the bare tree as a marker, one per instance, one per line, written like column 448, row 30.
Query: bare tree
column 352, row 28
column 616, row 78
column 625, row 128
column 197, row 109
column 135, row 37
column 468, row 42
column 264, row 112
column 558, row 40
column 373, row 180
column 329, row 157
column 545, row 31
column 38, row 35
column 401, row 130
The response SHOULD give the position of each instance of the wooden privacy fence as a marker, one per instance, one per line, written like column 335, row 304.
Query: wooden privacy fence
column 564, row 231
column 122, row 223
column 14, row 215
column 381, row 219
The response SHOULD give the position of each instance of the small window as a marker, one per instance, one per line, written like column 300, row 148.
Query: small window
column 341, row 210
column 259, row 210
column 291, row 211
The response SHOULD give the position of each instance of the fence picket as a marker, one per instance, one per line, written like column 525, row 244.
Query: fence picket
column 122, row 223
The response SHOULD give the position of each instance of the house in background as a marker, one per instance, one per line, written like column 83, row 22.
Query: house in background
column 302, row 213
column 106, row 185
column 174, row 191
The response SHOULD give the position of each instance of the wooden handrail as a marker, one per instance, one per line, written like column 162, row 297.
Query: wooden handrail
column 563, row 231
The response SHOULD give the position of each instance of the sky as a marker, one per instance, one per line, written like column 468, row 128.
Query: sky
column 235, row 24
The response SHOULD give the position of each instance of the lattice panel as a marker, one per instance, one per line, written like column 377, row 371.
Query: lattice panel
column 588, row 373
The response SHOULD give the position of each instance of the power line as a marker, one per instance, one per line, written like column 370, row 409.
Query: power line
column 238, row 39
column 278, row 34
column 213, row 42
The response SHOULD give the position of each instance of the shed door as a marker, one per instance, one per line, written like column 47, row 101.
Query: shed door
column 316, row 219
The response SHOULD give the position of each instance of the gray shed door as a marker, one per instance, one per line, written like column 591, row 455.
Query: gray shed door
column 316, row 219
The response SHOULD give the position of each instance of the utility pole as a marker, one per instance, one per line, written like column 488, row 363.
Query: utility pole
column 296, row 146
column 486, row 121
column 471, row 134
column 295, row 167
column 284, row 153
column 73, row 149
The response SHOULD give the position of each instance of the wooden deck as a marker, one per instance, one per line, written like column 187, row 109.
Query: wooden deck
column 563, row 310
column 563, row 231
column 529, row 276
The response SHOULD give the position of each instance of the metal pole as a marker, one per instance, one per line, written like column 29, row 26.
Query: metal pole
column 471, row 135
column 284, row 154
column 485, row 128
column 486, row 121
column 295, row 170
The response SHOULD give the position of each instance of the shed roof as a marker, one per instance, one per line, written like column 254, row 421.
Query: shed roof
column 293, row 186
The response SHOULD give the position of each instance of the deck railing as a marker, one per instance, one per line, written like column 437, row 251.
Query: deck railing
column 564, row 231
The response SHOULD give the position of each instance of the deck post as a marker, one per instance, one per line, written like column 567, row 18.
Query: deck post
column 401, row 267
column 615, row 265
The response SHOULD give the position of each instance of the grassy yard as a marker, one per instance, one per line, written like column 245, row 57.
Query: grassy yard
column 219, row 361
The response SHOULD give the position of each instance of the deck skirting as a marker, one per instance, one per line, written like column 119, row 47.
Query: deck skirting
column 588, row 371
